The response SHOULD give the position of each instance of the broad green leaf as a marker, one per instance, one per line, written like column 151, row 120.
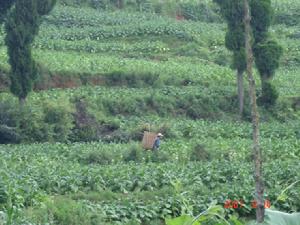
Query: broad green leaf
column 281, row 218
column 216, row 209
column 182, row 220
column 273, row 217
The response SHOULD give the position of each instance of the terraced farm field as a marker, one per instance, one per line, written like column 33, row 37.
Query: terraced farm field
column 105, row 77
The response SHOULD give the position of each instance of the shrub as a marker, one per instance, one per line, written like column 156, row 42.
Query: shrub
column 283, row 111
column 199, row 12
column 117, row 136
column 133, row 79
column 63, row 211
column 289, row 18
column 296, row 104
column 167, row 131
column 108, row 130
column 97, row 157
column 199, row 153
column 58, row 117
column 159, row 156
column 4, row 80
column 100, row 4
column 165, row 128
column 88, row 128
column 43, row 81
column 25, row 123
column 269, row 95
column 124, row 106
column 85, row 124
column 135, row 154
column 137, row 133
column 8, row 123
column 8, row 135
column 222, row 59
column 109, row 125
column 31, row 125
column 8, row 113
column 161, row 104
column 104, row 195
column 199, row 106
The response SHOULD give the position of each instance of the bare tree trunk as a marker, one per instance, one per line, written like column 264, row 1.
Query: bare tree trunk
column 240, row 84
column 259, row 188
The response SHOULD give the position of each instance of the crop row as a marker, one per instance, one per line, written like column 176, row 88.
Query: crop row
column 195, row 102
column 97, row 47
column 178, row 68
column 25, row 182
column 61, row 39
column 176, row 71
column 182, row 30
column 284, row 11
column 179, row 147
column 82, row 17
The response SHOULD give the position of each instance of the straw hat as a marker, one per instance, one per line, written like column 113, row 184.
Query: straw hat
column 160, row 135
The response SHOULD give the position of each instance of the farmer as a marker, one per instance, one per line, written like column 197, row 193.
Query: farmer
column 157, row 142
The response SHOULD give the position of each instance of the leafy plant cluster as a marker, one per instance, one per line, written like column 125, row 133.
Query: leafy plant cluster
column 104, row 32
column 62, row 120
column 86, row 17
column 95, row 113
column 119, row 24
column 126, row 186
column 161, row 55
column 19, row 37
column 206, row 48
column 171, row 71
column 204, row 11
column 141, row 47
column 286, row 11
column 118, row 183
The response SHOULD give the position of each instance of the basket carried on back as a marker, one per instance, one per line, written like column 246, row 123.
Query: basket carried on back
column 148, row 139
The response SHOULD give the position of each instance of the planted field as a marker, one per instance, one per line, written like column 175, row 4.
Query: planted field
column 117, row 180
column 106, row 76
column 82, row 43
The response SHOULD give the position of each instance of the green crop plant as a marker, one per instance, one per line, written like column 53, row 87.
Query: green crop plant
column 134, row 69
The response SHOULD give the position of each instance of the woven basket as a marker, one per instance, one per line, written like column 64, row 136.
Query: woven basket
column 148, row 139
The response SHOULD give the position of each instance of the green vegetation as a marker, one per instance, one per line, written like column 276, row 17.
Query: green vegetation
column 21, row 28
column 266, row 50
column 72, row 154
column 5, row 6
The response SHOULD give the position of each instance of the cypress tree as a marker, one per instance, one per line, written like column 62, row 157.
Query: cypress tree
column 267, row 52
column 262, row 14
column 257, row 153
column 21, row 27
column 233, row 12
column 4, row 7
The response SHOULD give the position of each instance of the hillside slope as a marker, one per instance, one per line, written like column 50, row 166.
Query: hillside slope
column 106, row 76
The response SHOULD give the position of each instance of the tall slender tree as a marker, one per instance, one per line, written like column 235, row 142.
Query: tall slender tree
column 266, row 51
column 21, row 27
column 232, row 11
column 4, row 7
column 267, row 55
column 258, row 177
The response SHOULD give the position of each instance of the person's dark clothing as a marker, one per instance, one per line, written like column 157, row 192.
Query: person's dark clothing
column 156, row 144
